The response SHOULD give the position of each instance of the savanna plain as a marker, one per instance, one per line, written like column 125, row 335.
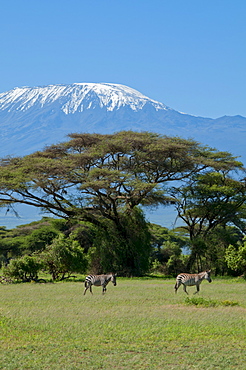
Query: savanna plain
column 139, row 324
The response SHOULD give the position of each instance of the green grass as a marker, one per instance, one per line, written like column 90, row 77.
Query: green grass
column 139, row 324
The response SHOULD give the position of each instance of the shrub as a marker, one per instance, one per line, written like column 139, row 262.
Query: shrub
column 24, row 268
column 63, row 257
column 202, row 302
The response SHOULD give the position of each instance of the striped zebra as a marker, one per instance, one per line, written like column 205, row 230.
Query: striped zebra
column 99, row 280
column 192, row 279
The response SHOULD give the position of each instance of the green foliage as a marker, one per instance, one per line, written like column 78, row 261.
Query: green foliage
column 26, row 239
column 84, row 233
column 11, row 247
column 202, row 302
column 102, row 180
column 125, row 251
column 24, row 268
column 209, row 203
column 176, row 263
column 229, row 303
column 167, row 257
column 217, row 241
column 210, row 200
column 236, row 258
column 63, row 257
column 40, row 238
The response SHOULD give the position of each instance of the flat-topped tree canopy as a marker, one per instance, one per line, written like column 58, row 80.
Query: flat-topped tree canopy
column 91, row 176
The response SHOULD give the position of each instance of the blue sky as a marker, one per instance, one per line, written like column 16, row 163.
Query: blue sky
column 189, row 55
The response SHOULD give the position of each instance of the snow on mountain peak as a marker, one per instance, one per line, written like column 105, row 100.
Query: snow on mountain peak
column 76, row 97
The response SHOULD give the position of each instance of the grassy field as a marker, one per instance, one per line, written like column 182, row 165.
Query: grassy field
column 139, row 324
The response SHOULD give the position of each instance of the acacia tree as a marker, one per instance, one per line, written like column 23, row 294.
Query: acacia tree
column 92, row 177
column 209, row 202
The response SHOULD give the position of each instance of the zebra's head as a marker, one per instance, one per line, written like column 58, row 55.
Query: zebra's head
column 113, row 278
column 207, row 276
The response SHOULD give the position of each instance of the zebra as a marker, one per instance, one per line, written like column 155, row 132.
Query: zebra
column 192, row 279
column 99, row 280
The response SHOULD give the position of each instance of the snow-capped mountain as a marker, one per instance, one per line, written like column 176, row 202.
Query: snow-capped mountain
column 33, row 117
column 76, row 97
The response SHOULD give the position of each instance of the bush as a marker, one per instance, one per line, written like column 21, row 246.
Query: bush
column 63, row 257
column 25, row 268
column 236, row 258
column 202, row 302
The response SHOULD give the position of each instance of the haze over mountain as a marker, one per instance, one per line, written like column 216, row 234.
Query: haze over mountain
column 33, row 117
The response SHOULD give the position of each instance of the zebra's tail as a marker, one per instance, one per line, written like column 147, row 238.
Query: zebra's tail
column 176, row 286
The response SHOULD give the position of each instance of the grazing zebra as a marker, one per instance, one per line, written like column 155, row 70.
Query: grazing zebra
column 192, row 279
column 99, row 280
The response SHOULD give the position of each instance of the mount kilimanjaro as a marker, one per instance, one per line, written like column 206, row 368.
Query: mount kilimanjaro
column 33, row 117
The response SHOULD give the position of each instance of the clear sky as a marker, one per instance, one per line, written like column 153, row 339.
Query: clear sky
column 189, row 55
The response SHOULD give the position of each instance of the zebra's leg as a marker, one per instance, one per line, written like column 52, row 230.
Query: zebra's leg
column 91, row 289
column 184, row 287
column 104, row 289
column 197, row 288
